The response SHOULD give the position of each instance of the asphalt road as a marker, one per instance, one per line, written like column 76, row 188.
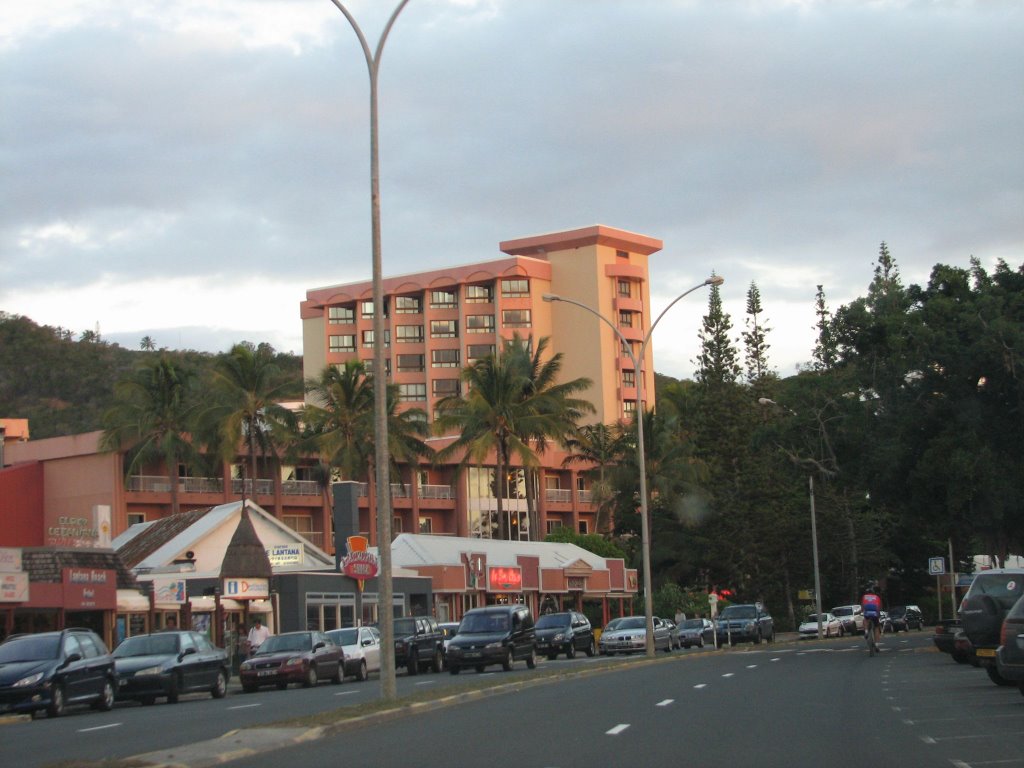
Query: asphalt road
column 792, row 704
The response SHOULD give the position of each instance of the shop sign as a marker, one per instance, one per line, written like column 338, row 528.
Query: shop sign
column 10, row 560
column 246, row 589
column 360, row 565
column 13, row 587
column 77, row 531
column 169, row 591
column 286, row 554
column 501, row 578
column 89, row 588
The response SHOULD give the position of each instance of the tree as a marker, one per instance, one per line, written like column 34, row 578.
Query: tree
column 151, row 420
column 755, row 339
column 717, row 363
column 824, row 354
column 147, row 344
column 600, row 446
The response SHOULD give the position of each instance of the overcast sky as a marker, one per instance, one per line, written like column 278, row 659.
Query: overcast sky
column 187, row 169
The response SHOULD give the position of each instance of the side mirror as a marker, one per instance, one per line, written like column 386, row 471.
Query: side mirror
column 72, row 657
column 318, row 646
column 186, row 652
column 368, row 641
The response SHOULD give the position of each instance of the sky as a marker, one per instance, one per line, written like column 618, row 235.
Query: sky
column 188, row 169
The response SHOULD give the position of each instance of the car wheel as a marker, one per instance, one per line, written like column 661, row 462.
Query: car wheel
column 106, row 700
column 531, row 660
column 173, row 690
column 570, row 652
column 57, row 703
column 413, row 667
column 995, row 677
column 220, row 685
column 437, row 665
column 453, row 669
column 592, row 648
column 311, row 678
column 339, row 673
column 508, row 661
column 361, row 673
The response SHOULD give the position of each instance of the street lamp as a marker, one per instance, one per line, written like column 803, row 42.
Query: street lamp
column 814, row 525
column 388, row 685
column 645, row 533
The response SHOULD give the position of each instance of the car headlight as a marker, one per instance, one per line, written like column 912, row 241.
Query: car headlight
column 750, row 626
column 493, row 645
column 246, row 665
column 559, row 637
column 30, row 680
column 293, row 661
column 149, row 671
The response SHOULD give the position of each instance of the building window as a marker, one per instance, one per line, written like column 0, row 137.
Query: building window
column 408, row 305
column 626, row 319
column 480, row 324
column 445, row 387
column 366, row 308
column 554, row 525
column 396, row 524
column 511, row 289
column 409, row 333
column 346, row 343
column 479, row 294
column 583, row 527
column 629, row 407
column 368, row 338
column 629, row 379
column 476, row 352
column 515, row 318
column 443, row 300
column 444, row 358
column 444, row 329
column 622, row 254
column 412, row 392
column 426, row 525
column 410, row 363
column 624, row 288
column 627, row 349
column 368, row 366
column 341, row 315
column 135, row 518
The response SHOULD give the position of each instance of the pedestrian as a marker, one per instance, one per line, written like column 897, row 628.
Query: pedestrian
column 171, row 623
column 257, row 635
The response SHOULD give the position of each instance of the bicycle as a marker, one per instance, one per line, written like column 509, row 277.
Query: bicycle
column 870, row 627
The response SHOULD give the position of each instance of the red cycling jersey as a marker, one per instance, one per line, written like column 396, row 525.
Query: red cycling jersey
column 872, row 605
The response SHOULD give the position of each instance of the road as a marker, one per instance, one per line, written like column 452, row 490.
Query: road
column 795, row 704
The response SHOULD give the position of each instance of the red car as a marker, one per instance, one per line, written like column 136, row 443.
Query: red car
column 293, row 657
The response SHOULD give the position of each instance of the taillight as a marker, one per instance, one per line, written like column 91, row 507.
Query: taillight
column 1003, row 633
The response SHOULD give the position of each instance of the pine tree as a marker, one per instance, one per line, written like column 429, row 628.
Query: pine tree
column 755, row 339
column 718, row 361
column 825, row 347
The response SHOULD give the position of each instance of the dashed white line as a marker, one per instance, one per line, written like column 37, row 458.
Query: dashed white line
column 425, row 682
column 701, row 685
column 617, row 729
column 728, row 674
column 664, row 702
column 346, row 693
column 100, row 727
column 751, row 666
column 245, row 706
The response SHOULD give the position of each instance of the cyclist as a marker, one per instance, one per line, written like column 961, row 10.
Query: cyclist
column 871, row 604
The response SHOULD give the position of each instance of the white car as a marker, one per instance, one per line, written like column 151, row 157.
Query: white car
column 852, row 617
column 362, row 650
column 830, row 626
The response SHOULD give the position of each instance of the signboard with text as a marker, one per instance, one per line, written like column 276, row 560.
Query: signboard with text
column 504, row 578
column 13, row 587
column 246, row 589
column 10, row 560
column 286, row 554
column 89, row 589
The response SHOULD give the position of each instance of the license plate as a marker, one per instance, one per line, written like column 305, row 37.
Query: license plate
column 265, row 673
column 472, row 654
column 987, row 653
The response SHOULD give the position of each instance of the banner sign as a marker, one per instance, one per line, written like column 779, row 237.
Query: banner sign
column 10, row 560
column 359, row 563
column 89, row 588
column 13, row 587
column 286, row 554
column 169, row 591
column 246, row 589
column 502, row 578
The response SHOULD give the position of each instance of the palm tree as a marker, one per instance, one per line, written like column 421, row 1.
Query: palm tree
column 151, row 419
column 601, row 446
column 245, row 389
column 510, row 400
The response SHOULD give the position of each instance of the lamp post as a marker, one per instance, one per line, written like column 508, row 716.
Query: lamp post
column 645, row 532
column 388, row 686
column 814, row 526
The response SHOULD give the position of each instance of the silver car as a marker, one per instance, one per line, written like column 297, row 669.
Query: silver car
column 628, row 634
column 362, row 650
column 696, row 632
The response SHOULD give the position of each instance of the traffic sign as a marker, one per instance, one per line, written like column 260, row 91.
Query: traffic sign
column 936, row 566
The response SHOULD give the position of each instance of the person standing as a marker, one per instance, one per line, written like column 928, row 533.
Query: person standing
column 257, row 635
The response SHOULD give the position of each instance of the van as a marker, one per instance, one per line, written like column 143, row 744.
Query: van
column 497, row 634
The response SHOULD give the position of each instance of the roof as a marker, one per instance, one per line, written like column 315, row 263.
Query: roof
column 245, row 555
column 412, row 549
column 46, row 565
column 142, row 540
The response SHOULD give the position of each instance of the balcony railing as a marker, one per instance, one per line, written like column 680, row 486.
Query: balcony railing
column 160, row 484
column 435, row 492
column 560, row 495
column 300, row 488
column 584, row 497
column 263, row 487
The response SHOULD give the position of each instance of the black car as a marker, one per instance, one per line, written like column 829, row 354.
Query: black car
column 566, row 632
column 905, row 618
column 169, row 664
column 51, row 670
column 1010, row 653
column 498, row 634
column 988, row 601
column 419, row 643
column 945, row 639
column 745, row 624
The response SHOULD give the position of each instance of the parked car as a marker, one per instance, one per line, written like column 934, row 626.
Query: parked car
column 903, row 618
column 750, row 623
column 293, row 657
column 1010, row 653
column 988, row 601
column 696, row 632
column 418, row 644
column 852, row 617
column 497, row 634
column 831, row 626
column 52, row 670
column 169, row 664
column 448, row 630
column 945, row 639
column 628, row 634
column 361, row 646
column 565, row 632
column 673, row 633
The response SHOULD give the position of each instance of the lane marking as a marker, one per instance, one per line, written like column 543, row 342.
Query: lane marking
column 701, row 685
column 100, row 727
column 347, row 693
column 728, row 674
column 617, row 729
column 245, row 706
column 426, row 682
column 751, row 666
column 664, row 703
column 775, row 659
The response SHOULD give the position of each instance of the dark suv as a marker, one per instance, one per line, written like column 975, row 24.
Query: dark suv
column 905, row 618
column 565, row 632
column 419, row 643
column 51, row 670
column 498, row 634
column 745, row 624
column 990, row 598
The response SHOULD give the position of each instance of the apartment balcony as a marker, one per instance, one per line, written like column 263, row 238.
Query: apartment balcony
column 215, row 485
column 585, row 497
column 436, row 492
column 558, row 495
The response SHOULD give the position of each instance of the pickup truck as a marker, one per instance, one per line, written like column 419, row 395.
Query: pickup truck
column 419, row 643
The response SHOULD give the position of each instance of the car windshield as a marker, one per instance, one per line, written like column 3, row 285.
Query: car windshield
column 30, row 649
column 148, row 645
column 552, row 620
column 475, row 623
column 693, row 624
column 897, row 611
column 998, row 585
column 842, row 611
column 738, row 612
column 405, row 626
column 344, row 636
column 628, row 622
column 285, row 643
